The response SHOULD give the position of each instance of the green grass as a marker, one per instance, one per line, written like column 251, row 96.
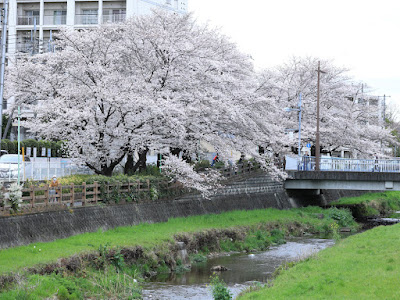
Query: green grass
column 94, row 284
column 363, row 266
column 383, row 196
column 151, row 235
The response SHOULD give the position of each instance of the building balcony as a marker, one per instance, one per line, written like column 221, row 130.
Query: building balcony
column 114, row 18
column 54, row 19
column 26, row 48
column 85, row 19
column 28, row 20
column 38, row 47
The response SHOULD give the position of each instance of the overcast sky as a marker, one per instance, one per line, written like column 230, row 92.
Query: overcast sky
column 361, row 35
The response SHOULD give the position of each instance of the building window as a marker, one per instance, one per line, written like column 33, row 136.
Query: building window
column 89, row 16
column 114, row 15
column 60, row 17
column 31, row 17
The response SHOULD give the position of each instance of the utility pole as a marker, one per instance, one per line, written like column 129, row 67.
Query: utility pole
column 3, row 60
column 384, row 106
column 317, row 144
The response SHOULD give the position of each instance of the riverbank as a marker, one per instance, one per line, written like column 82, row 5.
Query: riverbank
column 384, row 204
column 362, row 266
column 84, row 265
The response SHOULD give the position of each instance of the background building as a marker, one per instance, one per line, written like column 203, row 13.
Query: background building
column 32, row 23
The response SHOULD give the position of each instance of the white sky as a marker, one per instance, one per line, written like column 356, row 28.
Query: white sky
column 361, row 35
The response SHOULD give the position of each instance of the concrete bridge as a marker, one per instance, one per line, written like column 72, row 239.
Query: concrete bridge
column 346, row 174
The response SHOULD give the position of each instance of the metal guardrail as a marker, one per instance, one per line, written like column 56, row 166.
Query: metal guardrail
column 307, row 163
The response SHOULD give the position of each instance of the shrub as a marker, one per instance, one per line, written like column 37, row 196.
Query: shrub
column 219, row 289
column 15, row 196
column 153, row 194
column 342, row 216
column 201, row 165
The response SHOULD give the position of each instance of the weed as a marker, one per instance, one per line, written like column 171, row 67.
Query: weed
column 335, row 231
column 117, row 260
column 116, row 286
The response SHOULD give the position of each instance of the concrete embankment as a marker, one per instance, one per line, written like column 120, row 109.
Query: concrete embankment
column 259, row 191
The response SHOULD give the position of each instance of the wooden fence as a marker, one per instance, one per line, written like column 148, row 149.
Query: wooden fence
column 46, row 198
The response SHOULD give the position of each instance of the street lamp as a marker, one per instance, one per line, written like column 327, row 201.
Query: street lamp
column 299, row 110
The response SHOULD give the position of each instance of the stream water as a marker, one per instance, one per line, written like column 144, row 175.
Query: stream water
column 244, row 270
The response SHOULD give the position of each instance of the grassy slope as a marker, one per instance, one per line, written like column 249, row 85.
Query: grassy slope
column 384, row 196
column 363, row 266
column 149, row 235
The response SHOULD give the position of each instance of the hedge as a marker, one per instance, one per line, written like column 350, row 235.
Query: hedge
column 12, row 146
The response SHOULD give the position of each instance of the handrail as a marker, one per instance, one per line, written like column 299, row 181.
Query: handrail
column 307, row 163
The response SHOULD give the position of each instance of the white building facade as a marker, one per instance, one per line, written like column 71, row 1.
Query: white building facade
column 32, row 23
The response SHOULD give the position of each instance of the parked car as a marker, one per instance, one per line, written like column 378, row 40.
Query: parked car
column 9, row 166
column 2, row 152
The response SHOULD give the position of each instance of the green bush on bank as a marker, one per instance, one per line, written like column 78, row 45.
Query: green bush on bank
column 371, row 204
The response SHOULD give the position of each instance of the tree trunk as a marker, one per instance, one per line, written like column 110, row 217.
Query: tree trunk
column 141, row 163
column 186, row 156
column 106, row 171
column 175, row 151
column 129, row 165
column 9, row 121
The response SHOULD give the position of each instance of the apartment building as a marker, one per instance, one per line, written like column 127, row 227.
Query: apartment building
column 32, row 23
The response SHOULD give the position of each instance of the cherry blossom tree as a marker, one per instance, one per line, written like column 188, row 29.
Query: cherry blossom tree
column 345, row 121
column 154, row 82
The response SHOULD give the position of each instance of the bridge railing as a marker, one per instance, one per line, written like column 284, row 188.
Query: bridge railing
column 307, row 163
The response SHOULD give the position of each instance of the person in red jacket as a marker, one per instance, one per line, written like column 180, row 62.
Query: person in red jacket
column 215, row 159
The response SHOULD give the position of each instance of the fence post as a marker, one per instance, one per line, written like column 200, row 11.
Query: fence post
column 95, row 191
column 46, row 193
column 32, row 192
column 72, row 191
column 60, row 194
column 83, row 193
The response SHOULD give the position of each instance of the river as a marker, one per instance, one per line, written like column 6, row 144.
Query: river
column 244, row 270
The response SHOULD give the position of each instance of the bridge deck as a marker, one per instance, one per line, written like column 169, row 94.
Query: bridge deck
column 363, row 181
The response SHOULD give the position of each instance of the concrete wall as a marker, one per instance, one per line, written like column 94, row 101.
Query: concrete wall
column 257, row 192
